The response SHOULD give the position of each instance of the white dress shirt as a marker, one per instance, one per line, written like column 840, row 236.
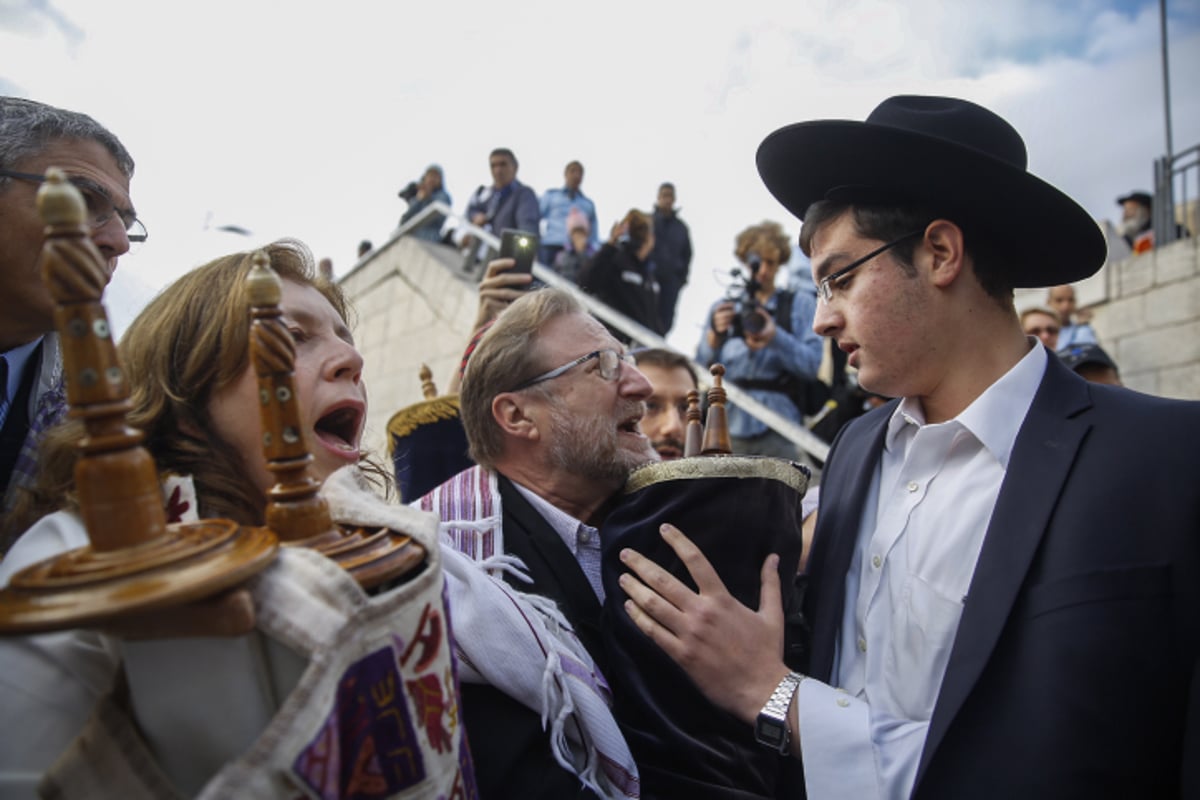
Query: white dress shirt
column 922, row 528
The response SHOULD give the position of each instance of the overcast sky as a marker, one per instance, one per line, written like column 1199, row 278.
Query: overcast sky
column 292, row 121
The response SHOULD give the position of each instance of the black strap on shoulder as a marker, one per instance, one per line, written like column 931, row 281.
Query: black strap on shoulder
column 783, row 309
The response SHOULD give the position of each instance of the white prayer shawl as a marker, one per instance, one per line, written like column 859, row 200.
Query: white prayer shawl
column 370, row 711
column 521, row 643
column 472, row 521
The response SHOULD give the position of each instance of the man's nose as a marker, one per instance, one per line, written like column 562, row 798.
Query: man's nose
column 111, row 238
column 826, row 320
column 675, row 424
column 633, row 383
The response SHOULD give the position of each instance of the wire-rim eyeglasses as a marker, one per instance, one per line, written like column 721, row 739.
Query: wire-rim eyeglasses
column 100, row 206
column 610, row 367
column 825, row 285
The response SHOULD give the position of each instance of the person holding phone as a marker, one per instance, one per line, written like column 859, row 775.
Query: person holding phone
column 621, row 275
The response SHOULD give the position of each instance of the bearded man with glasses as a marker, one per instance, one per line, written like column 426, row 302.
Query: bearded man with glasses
column 34, row 136
column 552, row 406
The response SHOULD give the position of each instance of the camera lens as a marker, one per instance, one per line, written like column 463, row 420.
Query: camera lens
column 754, row 321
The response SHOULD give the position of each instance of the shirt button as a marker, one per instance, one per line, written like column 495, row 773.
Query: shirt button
column 862, row 645
column 585, row 536
column 912, row 486
column 876, row 561
column 843, row 702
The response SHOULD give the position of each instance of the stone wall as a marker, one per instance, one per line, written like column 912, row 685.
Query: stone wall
column 1146, row 313
column 413, row 305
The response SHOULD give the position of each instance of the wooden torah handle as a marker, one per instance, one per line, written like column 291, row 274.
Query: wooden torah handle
column 716, row 426
column 295, row 510
column 428, row 387
column 135, row 563
column 693, row 443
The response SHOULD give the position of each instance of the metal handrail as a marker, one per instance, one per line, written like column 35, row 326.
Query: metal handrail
column 1168, row 171
column 797, row 434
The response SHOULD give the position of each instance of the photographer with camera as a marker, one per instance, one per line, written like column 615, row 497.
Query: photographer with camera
column 418, row 195
column 620, row 273
column 764, row 338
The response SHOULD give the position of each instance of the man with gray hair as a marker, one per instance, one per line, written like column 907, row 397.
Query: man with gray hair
column 34, row 136
column 552, row 406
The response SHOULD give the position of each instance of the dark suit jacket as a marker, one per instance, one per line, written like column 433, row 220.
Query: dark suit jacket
column 1075, row 669
column 510, row 749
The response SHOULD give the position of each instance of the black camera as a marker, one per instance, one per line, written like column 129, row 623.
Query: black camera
column 409, row 192
column 748, row 314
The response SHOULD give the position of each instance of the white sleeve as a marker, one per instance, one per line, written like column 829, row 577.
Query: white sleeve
column 850, row 754
column 49, row 536
column 49, row 682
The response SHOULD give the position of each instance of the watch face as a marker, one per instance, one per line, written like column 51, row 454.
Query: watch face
column 770, row 732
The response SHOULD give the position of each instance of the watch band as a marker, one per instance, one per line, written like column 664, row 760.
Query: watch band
column 771, row 729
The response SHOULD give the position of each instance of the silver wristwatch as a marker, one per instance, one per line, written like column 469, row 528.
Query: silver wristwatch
column 771, row 728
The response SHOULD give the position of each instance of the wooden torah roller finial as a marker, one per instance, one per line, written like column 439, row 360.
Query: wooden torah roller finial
column 428, row 387
column 716, row 426
column 693, row 443
column 135, row 563
column 295, row 511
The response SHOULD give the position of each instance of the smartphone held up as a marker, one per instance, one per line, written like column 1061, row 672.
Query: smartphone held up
column 520, row 246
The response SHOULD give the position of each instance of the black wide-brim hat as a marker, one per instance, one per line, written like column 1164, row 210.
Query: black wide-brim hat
column 957, row 158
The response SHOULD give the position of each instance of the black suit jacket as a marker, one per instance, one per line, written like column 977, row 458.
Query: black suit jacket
column 1075, row 669
column 510, row 749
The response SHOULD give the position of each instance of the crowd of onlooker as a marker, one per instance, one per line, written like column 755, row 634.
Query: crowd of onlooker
column 638, row 268
column 760, row 331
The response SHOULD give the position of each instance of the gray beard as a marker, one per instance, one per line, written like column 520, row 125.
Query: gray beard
column 590, row 448
column 1133, row 226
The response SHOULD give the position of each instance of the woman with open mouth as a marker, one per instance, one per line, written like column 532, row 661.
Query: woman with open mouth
column 195, row 395
column 193, row 392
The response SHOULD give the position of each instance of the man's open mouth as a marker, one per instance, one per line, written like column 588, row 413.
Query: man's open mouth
column 631, row 425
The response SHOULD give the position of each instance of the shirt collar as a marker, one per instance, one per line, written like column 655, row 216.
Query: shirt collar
column 566, row 526
column 995, row 417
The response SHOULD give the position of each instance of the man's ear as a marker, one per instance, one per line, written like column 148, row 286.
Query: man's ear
column 510, row 411
column 944, row 240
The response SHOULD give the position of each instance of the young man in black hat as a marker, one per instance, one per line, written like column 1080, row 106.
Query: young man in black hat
column 1003, row 584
